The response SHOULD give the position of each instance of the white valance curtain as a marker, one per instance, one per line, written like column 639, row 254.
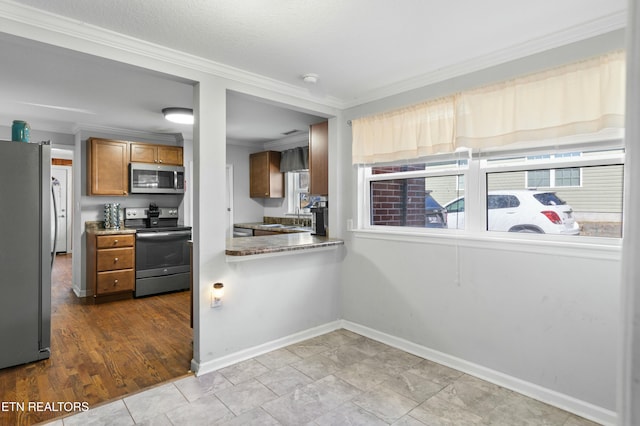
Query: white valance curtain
column 415, row 131
column 579, row 98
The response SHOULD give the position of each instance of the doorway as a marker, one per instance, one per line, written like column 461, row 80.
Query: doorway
column 61, row 218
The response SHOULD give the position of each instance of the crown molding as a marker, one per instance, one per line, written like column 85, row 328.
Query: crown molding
column 88, row 130
column 39, row 25
column 36, row 24
column 576, row 33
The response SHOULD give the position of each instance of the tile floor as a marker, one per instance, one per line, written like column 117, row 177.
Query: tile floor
column 339, row 378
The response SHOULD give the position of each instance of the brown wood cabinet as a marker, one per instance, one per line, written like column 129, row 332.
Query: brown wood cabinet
column 160, row 154
column 107, row 167
column 319, row 159
column 111, row 266
column 266, row 180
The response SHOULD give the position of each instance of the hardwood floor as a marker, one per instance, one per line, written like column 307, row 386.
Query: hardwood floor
column 98, row 352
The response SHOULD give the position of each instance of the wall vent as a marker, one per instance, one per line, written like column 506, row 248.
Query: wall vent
column 290, row 132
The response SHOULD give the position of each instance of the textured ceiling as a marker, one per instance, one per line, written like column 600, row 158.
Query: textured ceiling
column 360, row 49
column 356, row 46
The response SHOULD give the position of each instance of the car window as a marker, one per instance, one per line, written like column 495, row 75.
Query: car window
column 502, row 201
column 456, row 206
column 549, row 199
column 431, row 203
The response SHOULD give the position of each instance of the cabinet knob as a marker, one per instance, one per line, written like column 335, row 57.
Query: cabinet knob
column 115, row 241
column 115, row 282
column 266, row 193
column 159, row 161
column 115, row 259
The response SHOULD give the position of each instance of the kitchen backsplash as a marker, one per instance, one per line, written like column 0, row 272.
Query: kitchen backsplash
column 302, row 221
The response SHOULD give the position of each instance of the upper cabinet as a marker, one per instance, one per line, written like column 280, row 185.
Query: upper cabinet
column 160, row 154
column 265, row 179
column 107, row 167
column 108, row 163
column 319, row 159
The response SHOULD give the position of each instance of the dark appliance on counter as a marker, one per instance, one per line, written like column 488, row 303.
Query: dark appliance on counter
column 156, row 179
column 320, row 215
column 153, row 216
column 26, row 252
column 162, row 251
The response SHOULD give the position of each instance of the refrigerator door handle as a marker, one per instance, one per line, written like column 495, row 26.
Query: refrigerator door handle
column 54, row 182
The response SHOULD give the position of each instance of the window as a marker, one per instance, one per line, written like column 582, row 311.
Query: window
column 298, row 192
column 413, row 195
column 551, row 178
column 575, row 193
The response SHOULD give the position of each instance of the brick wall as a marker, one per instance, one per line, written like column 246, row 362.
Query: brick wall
column 398, row 202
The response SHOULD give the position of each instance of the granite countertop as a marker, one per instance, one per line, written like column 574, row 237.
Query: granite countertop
column 287, row 242
column 274, row 227
column 97, row 228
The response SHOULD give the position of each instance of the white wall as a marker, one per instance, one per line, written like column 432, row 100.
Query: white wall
column 542, row 315
column 245, row 209
column 629, row 374
column 547, row 318
column 265, row 299
column 36, row 135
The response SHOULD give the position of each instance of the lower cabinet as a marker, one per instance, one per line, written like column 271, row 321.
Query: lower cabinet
column 111, row 266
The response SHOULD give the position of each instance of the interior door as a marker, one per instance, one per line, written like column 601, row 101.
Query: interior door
column 60, row 192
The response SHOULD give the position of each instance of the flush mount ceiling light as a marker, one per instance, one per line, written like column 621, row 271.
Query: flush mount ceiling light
column 178, row 115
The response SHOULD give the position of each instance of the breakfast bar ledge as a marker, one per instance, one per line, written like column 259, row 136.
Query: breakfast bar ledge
column 241, row 249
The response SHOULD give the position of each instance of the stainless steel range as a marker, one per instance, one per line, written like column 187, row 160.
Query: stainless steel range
column 162, row 252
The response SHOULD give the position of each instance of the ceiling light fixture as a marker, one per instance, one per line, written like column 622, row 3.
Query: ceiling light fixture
column 310, row 78
column 178, row 115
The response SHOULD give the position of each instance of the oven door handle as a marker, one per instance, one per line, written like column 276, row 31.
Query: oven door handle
column 157, row 235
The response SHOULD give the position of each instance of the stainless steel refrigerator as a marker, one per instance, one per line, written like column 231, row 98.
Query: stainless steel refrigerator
column 25, row 252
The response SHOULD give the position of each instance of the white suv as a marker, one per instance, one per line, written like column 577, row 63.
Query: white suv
column 539, row 212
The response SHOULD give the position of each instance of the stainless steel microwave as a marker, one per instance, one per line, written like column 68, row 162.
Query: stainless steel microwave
column 147, row 178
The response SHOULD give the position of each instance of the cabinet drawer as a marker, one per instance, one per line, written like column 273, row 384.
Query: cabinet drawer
column 115, row 281
column 115, row 241
column 113, row 259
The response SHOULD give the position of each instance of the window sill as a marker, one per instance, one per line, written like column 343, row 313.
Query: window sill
column 582, row 247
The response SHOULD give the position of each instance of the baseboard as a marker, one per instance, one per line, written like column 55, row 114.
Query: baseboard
column 557, row 399
column 245, row 354
column 78, row 292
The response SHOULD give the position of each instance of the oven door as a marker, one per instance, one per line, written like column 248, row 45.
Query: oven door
column 162, row 253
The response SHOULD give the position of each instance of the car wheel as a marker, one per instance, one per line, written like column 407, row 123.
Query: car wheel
column 527, row 229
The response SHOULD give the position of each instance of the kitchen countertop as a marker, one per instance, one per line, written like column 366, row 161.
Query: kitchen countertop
column 270, row 244
column 97, row 228
column 290, row 240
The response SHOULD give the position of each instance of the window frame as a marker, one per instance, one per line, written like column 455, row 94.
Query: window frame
column 552, row 171
column 293, row 193
column 366, row 177
column 479, row 166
